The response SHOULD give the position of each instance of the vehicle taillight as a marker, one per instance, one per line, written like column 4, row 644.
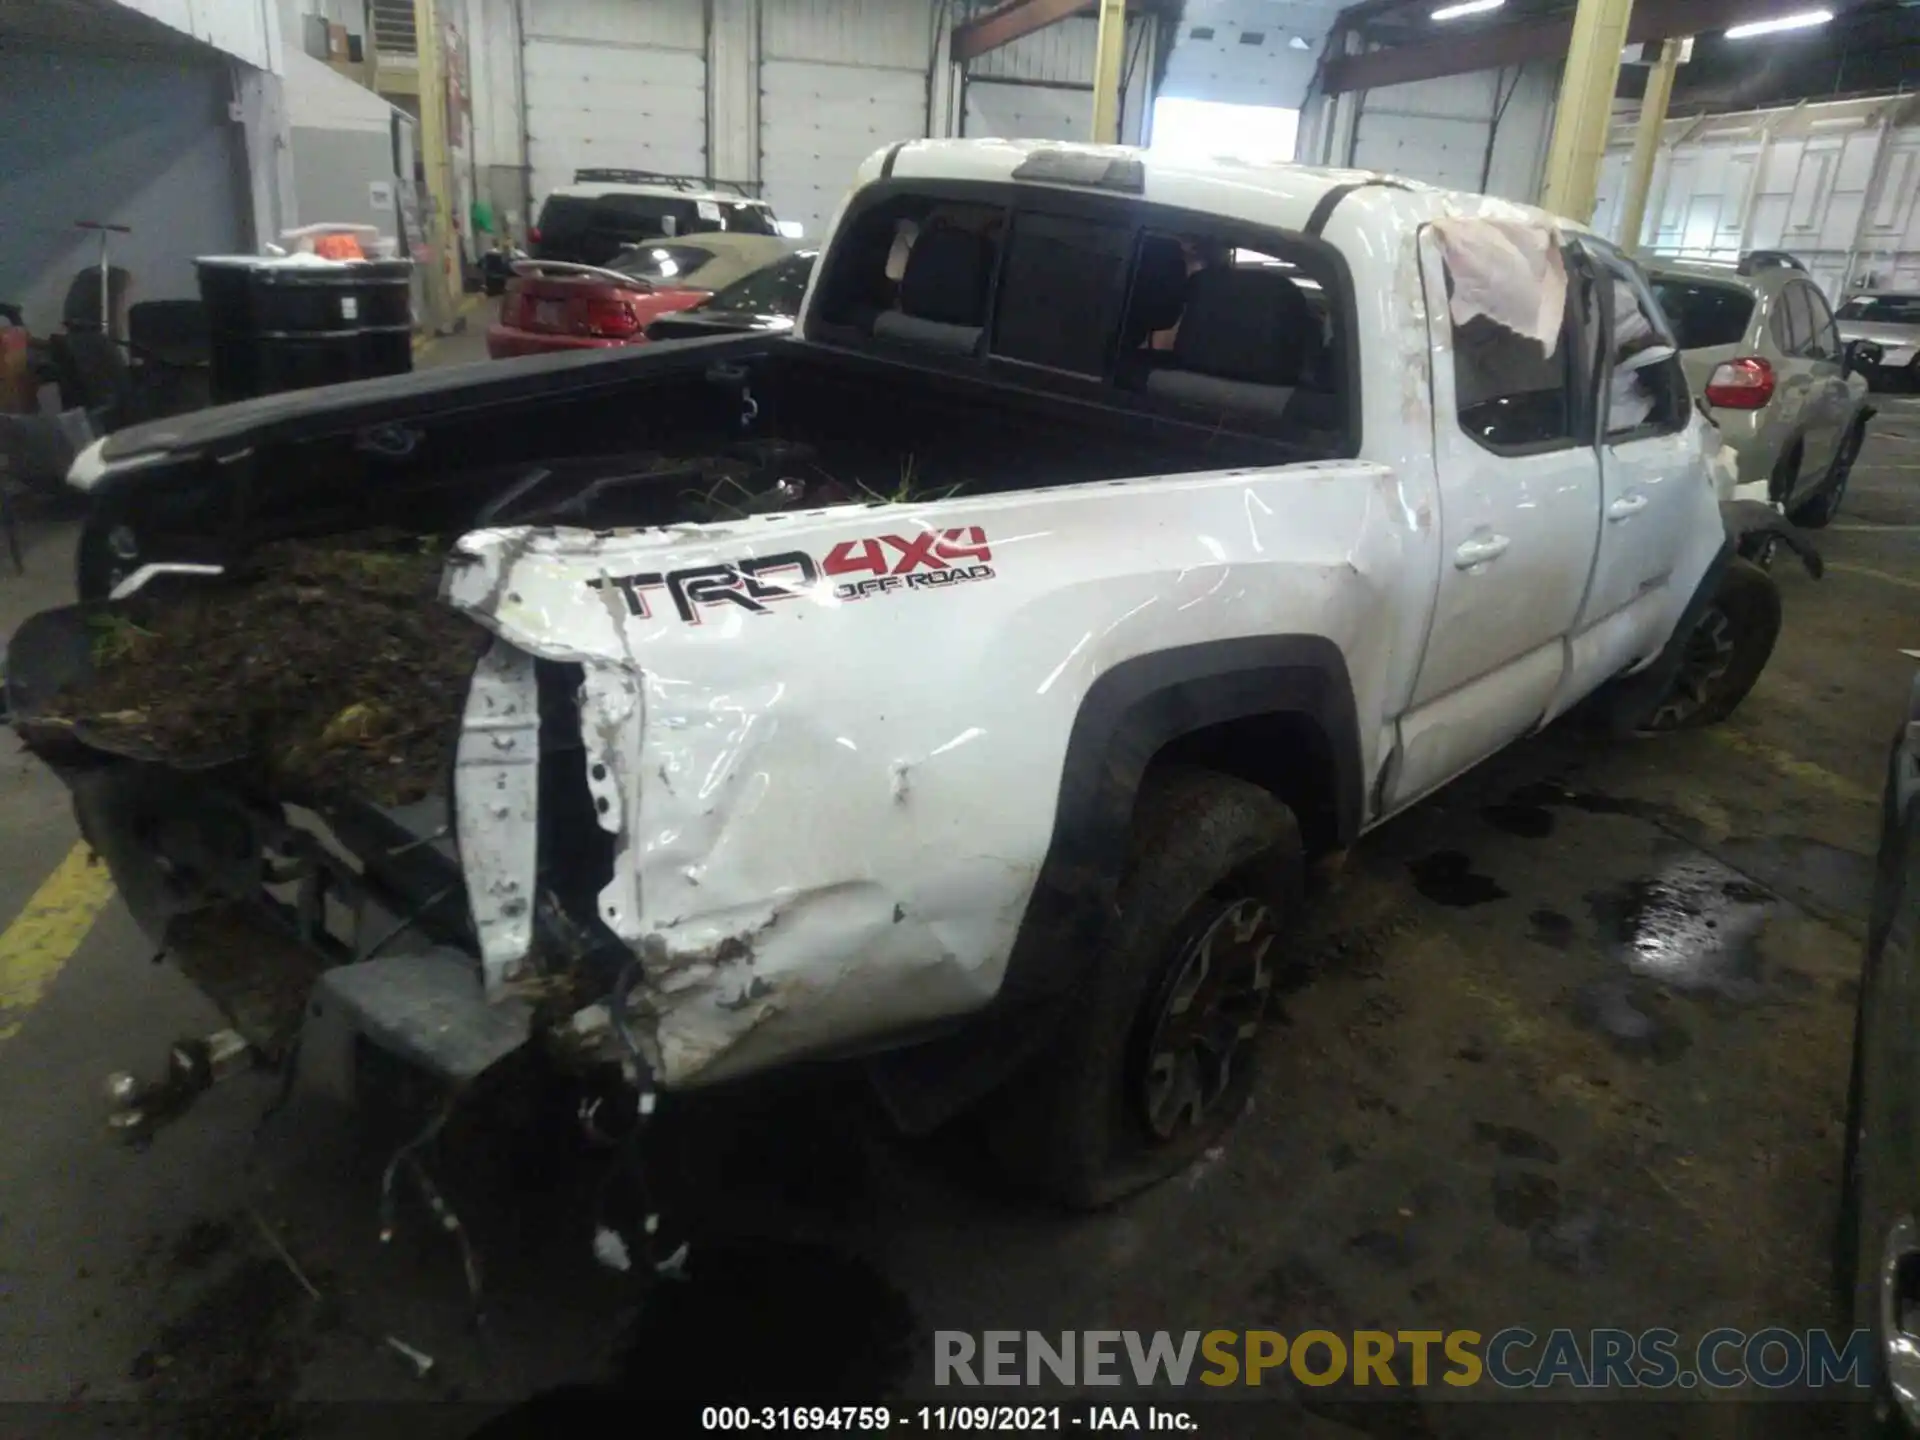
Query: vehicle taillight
column 533, row 235
column 613, row 319
column 1745, row 384
column 511, row 304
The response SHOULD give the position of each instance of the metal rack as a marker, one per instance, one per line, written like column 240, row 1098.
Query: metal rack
column 746, row 189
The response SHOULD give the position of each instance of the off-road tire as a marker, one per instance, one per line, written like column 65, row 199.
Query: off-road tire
column 1207, row 852
column 1818, row 512
column 1727, row 648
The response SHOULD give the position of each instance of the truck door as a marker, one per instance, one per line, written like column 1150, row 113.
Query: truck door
column 1651, row 486
column 1519, row 494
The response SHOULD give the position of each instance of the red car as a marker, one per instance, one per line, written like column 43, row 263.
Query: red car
column 556, row 305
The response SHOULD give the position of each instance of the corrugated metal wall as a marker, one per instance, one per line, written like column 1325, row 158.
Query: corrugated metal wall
column 613, row 83
column 839, row 79
column 1837, row 184
column 1041, row 86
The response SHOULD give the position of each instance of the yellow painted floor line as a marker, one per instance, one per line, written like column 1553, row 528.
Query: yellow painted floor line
column 44, row 935
column 1792, row 766
column 1905, row 582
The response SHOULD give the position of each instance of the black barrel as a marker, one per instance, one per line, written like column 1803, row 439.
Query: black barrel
column 286, row 323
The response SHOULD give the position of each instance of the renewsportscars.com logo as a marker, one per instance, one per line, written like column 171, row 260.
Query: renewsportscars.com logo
column 1516, row 1358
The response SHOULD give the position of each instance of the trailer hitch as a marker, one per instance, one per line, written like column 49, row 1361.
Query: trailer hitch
column 139, row 1109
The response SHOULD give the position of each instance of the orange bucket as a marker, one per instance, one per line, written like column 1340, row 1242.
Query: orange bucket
column 338, row 247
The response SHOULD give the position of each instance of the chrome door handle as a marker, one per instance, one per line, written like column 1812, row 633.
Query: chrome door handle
column 1479, row 551
column 1900, row 1347
column 1627, row 506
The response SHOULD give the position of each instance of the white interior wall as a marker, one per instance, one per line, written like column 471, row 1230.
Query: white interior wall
column 1837, row 184
column 142, row 141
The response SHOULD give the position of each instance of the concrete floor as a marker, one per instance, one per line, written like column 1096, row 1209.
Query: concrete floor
column 1567, row 1046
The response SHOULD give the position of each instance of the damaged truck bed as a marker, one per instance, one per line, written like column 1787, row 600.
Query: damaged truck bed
column 959, row 684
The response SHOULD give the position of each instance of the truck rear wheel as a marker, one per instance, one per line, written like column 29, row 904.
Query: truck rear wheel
column 1156, row 1056
column 1727, row 648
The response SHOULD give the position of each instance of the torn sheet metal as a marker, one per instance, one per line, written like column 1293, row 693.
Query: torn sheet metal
column 1511, row 271
column 1746, row 519
column 828, row 746
column 496, row 808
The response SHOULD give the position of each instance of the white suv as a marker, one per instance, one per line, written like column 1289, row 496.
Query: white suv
column 603, row 211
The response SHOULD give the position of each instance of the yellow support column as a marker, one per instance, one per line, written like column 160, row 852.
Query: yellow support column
column 1586, row 106
column 1646, row 145
column 442, row 290
column 1106, row 72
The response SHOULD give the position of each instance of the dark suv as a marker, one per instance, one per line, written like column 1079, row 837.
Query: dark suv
column 604, row 211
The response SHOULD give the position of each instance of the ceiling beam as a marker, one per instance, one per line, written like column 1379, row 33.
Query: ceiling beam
column 1004, row 24
column 1539, row 39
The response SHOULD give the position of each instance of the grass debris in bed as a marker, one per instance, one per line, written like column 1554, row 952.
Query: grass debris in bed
column 330, row 669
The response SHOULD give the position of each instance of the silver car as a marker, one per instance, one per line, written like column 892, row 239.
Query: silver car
column 1891, row 321
column 1762, row 351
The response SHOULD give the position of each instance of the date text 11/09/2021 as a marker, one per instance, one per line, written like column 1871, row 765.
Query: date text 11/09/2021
column 980, row 1419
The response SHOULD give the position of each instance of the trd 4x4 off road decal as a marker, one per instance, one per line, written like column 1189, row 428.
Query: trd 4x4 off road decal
column 892, row 563
column 930, row 560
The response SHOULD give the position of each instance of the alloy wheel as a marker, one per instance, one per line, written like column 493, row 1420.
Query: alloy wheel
column 1207, row 1012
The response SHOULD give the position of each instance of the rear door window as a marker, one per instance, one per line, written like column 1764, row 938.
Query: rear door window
column 1790, row 321
column 1703, row 314
column 1823, row 339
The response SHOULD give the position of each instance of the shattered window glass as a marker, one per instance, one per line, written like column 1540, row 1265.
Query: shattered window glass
column 1645, row 385
column 1512, row 344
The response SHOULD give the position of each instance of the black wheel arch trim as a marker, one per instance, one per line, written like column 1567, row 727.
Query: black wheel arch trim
column 1127, row 717
column 1628, row 701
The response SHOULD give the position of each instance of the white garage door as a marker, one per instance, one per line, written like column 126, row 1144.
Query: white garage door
column 1028, row 112
column 833, row 117
column 615, row 84
column 839, row 79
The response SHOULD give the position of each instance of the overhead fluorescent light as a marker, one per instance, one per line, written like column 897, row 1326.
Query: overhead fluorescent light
column 1804, row 20
column 1467, row 7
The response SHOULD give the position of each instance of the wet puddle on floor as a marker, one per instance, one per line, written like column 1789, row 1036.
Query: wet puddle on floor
column 1529, row 811
column 1694, row 925
column 1447, row 877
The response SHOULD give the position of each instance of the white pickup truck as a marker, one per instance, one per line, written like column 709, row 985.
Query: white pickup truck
column 1113, row 536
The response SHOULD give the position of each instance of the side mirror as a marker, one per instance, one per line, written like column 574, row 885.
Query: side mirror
column 1860, row 356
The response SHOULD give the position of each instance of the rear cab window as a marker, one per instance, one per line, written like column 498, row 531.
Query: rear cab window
column 1195, row 317
column 1704, row 314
